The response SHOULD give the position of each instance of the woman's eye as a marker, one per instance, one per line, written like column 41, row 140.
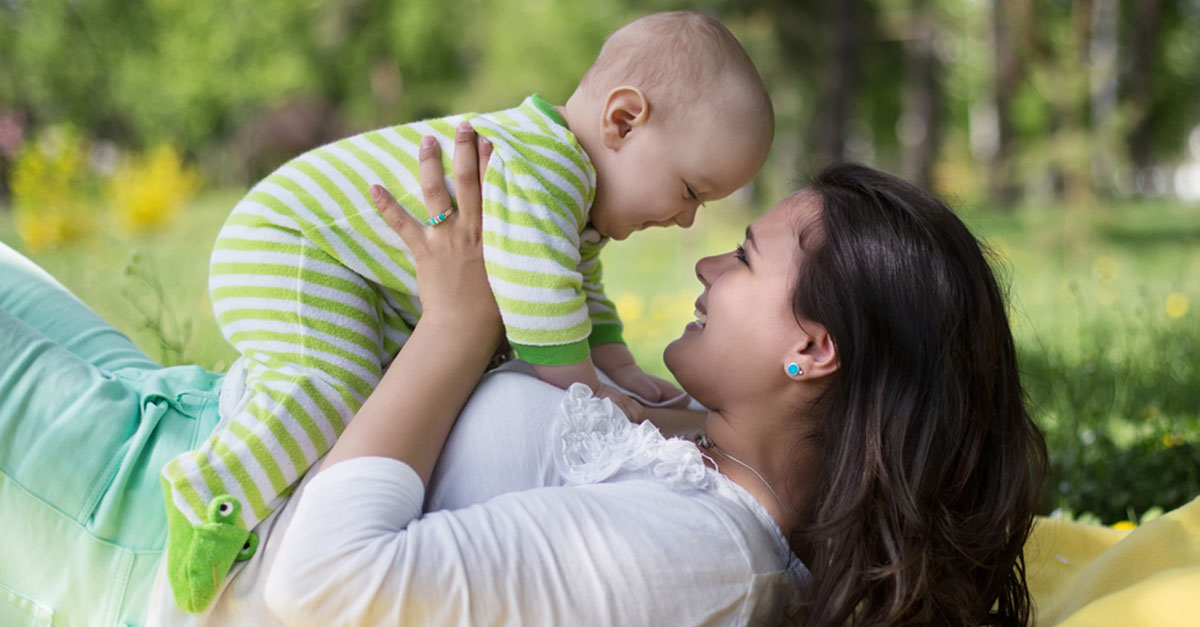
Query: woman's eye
column 740, row 253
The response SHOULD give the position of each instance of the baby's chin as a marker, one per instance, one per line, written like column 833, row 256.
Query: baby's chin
column 611, row 231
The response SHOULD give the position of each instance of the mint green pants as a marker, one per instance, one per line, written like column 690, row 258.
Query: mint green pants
column 86, row 422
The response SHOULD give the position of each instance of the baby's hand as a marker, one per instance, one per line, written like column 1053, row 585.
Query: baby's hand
column 651, row 388
column 633, row 410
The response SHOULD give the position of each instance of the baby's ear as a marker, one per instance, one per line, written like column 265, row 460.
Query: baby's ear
column 625, row 109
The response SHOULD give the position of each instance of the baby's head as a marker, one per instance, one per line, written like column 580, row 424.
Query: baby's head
column 672, row 114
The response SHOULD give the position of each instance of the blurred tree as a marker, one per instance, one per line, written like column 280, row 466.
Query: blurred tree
column 837, row 89
column 1164, row 85
column 1062, row 96
column 1146, row 15
column 1102, row 55
column 542, row 46
column 920, row 126
column 1009, row 17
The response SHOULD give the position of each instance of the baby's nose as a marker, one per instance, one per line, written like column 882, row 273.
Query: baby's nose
column 687, row 218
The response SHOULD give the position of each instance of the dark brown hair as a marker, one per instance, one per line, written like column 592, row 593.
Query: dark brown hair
column 931, row 467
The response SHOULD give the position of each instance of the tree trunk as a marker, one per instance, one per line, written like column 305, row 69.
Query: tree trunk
column 831, row 123
column 1102, row 77
column 1145, row 31
column 921, row 121
column 1006, row 73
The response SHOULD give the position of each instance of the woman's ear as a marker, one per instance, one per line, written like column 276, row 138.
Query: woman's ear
column 813, row 357
column 625, row 109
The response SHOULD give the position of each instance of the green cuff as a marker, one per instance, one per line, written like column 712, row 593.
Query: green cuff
column 559, row 355
column 606, row 333
column 549, row 110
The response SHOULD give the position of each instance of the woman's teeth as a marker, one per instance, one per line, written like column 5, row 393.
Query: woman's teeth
column 701, row 318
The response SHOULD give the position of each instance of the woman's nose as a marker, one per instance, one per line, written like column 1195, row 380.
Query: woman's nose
column 709, row 268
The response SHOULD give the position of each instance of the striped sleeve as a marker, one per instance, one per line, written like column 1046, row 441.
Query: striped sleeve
column 606, row 326
column 531, row 249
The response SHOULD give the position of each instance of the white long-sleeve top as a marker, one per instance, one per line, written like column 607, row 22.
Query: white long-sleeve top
column 581, row 519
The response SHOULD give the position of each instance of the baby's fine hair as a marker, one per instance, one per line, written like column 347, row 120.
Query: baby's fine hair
column 677, row 59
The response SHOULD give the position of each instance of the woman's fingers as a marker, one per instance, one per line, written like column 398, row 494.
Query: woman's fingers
column 466, row 173
column 401, row 222
column 433, row 186
column 485, row 153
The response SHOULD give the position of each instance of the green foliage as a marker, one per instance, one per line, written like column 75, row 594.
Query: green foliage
column 541, row 46
column 1109, row 350
column 1120, row 412
column 144, row 290
column 196, row 65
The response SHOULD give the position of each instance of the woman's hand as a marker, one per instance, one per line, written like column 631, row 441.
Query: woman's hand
column 451, row 278
column 409, row 414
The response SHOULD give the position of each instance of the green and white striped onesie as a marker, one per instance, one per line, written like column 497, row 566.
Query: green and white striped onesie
column 318, row 294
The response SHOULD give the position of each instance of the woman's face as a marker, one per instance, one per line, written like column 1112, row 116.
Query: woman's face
column 745, row 330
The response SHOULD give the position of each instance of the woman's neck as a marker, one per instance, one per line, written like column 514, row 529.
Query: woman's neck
column 788, row 468
column 773, row 469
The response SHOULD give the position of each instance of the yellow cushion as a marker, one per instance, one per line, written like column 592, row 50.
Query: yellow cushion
column 1090, row 575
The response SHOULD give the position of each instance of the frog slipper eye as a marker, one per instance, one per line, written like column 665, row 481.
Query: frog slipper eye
column 248, row 548
column 223, row 509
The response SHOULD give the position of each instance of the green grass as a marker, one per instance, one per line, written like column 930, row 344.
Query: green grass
column 176, row 257
column 1112, row 378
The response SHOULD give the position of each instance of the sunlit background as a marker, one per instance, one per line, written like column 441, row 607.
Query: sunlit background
column 1067, row 134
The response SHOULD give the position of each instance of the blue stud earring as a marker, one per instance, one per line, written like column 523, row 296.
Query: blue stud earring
column 794, row 370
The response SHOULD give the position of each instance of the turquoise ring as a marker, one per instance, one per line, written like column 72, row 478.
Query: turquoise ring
column 439, row 218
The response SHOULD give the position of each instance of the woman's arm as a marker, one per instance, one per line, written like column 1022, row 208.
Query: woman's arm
column 358, row 552
column 410, row 413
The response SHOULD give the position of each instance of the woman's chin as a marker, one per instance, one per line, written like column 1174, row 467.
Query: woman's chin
column 676, row 363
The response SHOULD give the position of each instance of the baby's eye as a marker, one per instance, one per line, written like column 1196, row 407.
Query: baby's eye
column 690, row 192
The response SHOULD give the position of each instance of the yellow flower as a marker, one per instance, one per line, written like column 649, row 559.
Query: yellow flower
column 1105, row 269
column 42, row 231
column 50, row 183
column 629, row 306
column 1172, row 439
column 1124, row 525
column 149, row 190
column 1177, row 305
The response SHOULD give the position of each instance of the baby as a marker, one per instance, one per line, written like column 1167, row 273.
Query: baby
column 318, row 294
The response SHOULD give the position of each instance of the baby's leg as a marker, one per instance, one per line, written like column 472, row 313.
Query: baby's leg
column 313, row 336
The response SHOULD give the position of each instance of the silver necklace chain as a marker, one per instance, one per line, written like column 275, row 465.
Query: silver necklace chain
column 703, row 441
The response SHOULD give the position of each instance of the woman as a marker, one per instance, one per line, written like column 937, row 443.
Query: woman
column 855, row 357
column 865, row 417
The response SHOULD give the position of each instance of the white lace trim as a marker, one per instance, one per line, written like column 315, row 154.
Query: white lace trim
column 593, row 441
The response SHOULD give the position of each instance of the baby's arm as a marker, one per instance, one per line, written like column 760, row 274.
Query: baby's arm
column 615, row 360
column 585, row 372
